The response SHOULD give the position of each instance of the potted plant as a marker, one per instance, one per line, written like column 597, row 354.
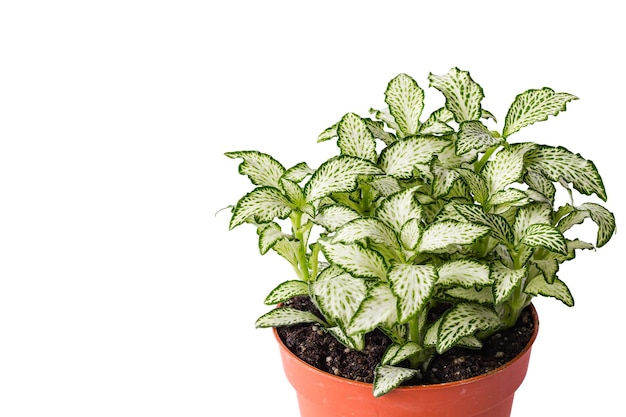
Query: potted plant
column 435, row 232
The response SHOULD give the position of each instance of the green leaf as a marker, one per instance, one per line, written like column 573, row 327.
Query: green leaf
column 401, row 157
column 557, row 163
column 483, row 295
column 533, row 106
column 263, row 204
column 397, row 209
column 367, row 228
column 473, row 135
column 463, row 95
column 286, row 291
column 439, row 235
column 465, row 273
column 338, row 174
column 558, row 290
column 545, row 236
column 464, row 319
column 406, row 102
column 378, row 308
column 338, row 294
column 261, row 168
column 334, row 216
column 286, row 316
column 505, row 280
column 548, row 267
column 354, row 258
column 387, row 378
column 355, row 138
column 413, row 286
column 604, row 219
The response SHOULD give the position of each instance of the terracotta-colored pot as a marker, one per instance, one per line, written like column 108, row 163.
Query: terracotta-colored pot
column 321, row 394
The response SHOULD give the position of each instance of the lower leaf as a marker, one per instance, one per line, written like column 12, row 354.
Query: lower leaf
column 388, row 377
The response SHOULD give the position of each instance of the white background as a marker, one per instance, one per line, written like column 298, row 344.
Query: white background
column 122, row 293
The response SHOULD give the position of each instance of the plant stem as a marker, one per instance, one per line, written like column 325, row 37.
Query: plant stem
column 296, row 222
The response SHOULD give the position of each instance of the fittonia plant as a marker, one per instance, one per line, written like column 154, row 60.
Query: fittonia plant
column 448, row 213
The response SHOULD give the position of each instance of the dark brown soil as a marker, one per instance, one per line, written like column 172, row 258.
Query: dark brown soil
column 311, row 344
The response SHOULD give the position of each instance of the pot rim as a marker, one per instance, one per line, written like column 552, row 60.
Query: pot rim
column 426, row 386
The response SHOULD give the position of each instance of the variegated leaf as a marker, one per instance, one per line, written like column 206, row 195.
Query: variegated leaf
column 604, row 219
column 463, row 95
column 261, row 168
column 338, row 174
column 557, row 163
column 367, row 228
column 548, row 267
column 356, row 341
column 533, row 106
column 385, row 185
column 483, row 295
column 545, row 236
column 355, row 138
column 437, row 123
column 356, row 259
column 378, row 130
column 410, row 234
column 499, row 227
column 269, row 234
column 286, row 316
column 378, row 308
column 406, row 101
column 396, row 354
column 476, row 183
column 298, row 172
column 511, row 197
column 464, row 273
column 263, row 204
column 413, row 286
column 338, row 294
column 293, row 192
column 386, row 117
column 462, row 320
column 286, row 291
column 558, row 289
column 388, row 377
column 443, row 180
column 401, row 157
column 506, row 167
column 540, row 184
column 397, row 209
column 473, row 135
column 334, row 216
column 439, row 235
column 328, row 133
column 505, row 280
column 535, row 213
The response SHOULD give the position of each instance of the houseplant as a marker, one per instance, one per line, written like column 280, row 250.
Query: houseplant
column 436, row 231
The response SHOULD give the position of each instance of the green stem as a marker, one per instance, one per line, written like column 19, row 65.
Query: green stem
column 297, row 230
column 478, row 165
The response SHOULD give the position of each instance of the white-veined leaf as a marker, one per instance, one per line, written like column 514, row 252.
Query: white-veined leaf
column 464, row 273
column 537, row 182
column 462, row 320
column 338, row 294
column 439, row 235
column 378, row 308
column 536, row 213
column 476, row 183
column 387, row 378
column 397, row 353
column 298, row 172
column 558, row 290
column 293, row 192
column 509, row 198
column 559, row 164
column 378, row 130
column 386, row 118
column 334, row 216
column 505, row 280
column 397, row 209
column 269, row 234
column 355, row 138
column 473, row 135
column 385, row 185
column 410, row 234
column 367, row 228
column 499, row 227
column 401, row 157
column 261, row 168
column 286, row 291
column 463, row 95
column 338, row 175
column 443, row 180
column 604, row 219
column 545, row 236
column 356, row 259
column 356, row 341
column 413, row 286
column 534, row 106
column 263, row 204
column 506, row 167
column 286, row 316
column 328, row 133
column 288, row 249
column 406, row 101
column 483, row 295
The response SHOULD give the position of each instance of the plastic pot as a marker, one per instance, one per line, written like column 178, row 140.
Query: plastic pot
column 321, row 394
